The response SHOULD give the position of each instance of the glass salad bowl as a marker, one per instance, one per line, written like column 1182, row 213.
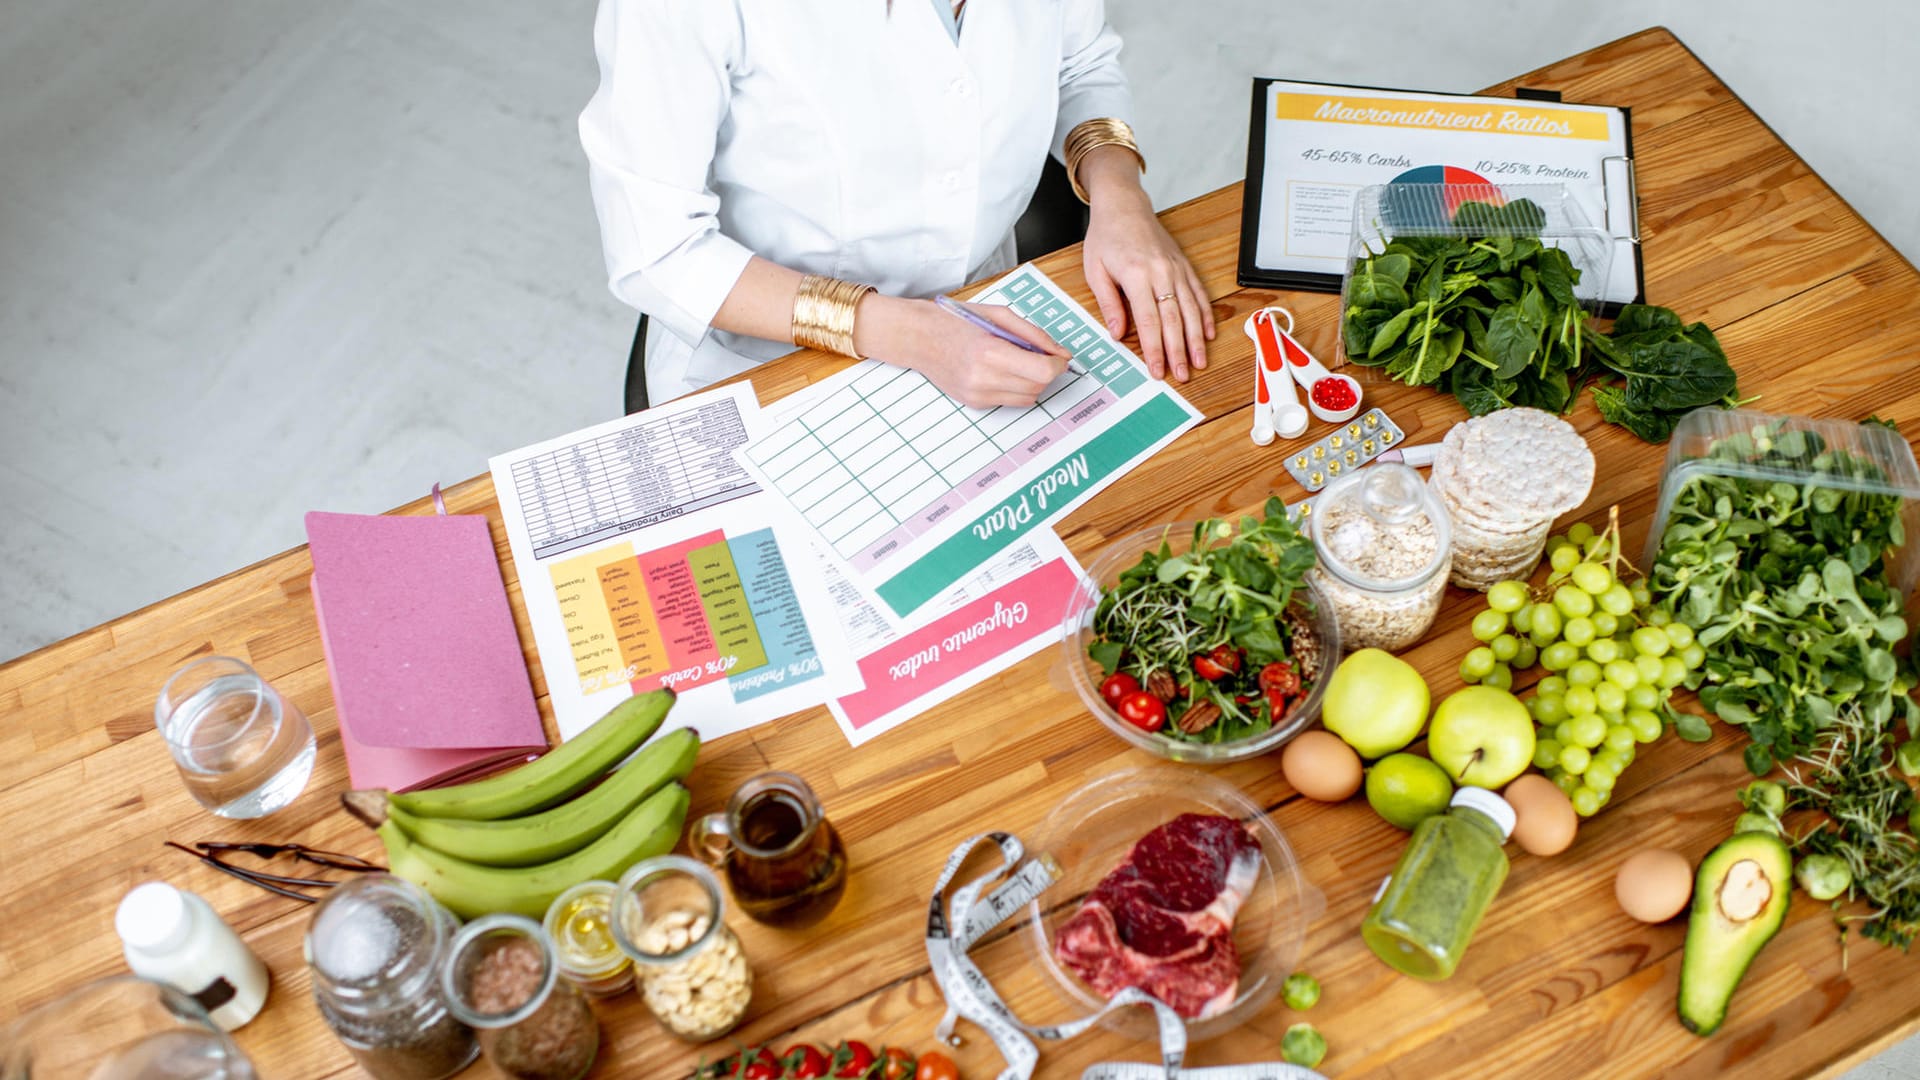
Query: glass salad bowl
column 1077, row 669
column 1094, row 829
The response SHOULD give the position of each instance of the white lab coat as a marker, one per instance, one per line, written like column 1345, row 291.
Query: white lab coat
column 829, row 136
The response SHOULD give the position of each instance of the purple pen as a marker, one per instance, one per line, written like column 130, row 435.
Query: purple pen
column 953, row 308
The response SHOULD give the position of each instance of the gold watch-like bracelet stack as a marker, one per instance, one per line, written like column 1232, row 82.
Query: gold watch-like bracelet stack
column 1088, row 136
column 823, row 312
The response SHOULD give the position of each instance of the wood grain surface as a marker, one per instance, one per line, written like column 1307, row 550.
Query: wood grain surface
column 1814, row 310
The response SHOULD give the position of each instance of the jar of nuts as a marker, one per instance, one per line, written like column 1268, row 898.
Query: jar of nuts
column 693, row 974
column 1385, row 545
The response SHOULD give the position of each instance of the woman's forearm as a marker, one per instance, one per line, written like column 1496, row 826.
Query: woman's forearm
column 1111, row 175
column 969, row 364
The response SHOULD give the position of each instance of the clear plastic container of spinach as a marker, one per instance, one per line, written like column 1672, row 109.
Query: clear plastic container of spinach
column 1782, row 540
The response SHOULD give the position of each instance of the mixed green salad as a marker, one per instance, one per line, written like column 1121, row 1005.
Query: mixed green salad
column 1212, row 644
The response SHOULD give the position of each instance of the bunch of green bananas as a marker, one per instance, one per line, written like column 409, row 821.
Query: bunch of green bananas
column 515, row 841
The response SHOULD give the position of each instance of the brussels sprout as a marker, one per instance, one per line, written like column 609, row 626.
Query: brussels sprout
column 1755, row 823
column 1908, row 757
column 1823, row 876
column 1302, row 1045
column 1300, row 991
column 1764, row 797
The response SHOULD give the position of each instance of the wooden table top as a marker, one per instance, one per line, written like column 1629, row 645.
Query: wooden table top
column 1811, row 305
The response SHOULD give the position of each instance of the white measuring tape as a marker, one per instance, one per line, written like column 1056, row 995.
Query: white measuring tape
column 969, row 995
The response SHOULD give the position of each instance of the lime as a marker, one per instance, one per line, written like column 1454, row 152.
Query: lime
column 1405, row 788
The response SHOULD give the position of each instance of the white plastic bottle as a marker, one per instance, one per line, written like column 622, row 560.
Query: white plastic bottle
column 172, row 936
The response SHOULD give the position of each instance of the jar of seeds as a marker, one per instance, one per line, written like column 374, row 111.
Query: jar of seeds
column 504, row 980
column 1384, row 546
column 693, row 974
column 376, row 946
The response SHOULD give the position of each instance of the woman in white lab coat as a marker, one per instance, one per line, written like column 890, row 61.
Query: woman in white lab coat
column 772, row 172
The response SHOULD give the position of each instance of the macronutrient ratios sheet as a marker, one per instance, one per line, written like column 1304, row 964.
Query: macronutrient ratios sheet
column 913, row 492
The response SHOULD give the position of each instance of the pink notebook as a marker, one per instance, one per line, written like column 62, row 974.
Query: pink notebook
column 429, row 684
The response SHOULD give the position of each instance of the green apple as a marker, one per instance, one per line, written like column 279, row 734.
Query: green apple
column 1482, row 736
column 1376, row 702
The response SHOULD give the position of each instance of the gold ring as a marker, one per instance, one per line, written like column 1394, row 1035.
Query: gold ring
column 1164, row 297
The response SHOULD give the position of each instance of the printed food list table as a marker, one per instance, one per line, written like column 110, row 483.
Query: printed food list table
column 1739, row 232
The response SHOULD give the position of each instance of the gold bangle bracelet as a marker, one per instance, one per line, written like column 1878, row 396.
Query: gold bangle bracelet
column 823, row 313
column 1090, row 135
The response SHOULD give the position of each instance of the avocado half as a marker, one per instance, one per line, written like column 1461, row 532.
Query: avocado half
column 1740, row 897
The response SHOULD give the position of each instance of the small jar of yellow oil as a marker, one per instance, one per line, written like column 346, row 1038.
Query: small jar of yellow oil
column 580, row 924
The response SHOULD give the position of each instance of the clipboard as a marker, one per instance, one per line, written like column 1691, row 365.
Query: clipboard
column 1310, row 146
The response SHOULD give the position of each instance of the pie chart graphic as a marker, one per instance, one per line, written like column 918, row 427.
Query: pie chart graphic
column 1432, row 206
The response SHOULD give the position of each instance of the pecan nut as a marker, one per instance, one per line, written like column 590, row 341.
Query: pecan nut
column 1161, row 685
column 1199, row 717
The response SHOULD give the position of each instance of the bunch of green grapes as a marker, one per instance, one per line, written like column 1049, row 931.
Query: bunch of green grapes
column 1611, row 656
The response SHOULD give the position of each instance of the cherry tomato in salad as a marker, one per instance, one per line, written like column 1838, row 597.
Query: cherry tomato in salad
column 856, row 1059
column 1281, row 677
column 1223, row 661
column 806, row 1062
column 896, row 1064
column 1117, row 686
column 1144, row 711
column 936, row 1066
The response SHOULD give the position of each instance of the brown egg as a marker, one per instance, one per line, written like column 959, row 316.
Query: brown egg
column 1321, row 767
column 1544, row 821
column 1654, row 885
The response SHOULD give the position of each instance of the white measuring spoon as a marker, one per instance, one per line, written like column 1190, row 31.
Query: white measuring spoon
column 1289, row 418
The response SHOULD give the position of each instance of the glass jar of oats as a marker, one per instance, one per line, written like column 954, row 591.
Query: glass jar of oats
column 1385, row 547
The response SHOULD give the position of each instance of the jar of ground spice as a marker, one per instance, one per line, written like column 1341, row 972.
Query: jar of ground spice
column 503, row 978
column 376, row 946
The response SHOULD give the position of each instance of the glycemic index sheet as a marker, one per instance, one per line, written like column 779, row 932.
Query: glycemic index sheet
column 913, row 492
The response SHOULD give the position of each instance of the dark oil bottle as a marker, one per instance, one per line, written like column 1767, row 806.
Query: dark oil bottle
column 783, row 861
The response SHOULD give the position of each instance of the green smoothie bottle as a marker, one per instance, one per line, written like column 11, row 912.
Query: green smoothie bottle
column 1426, row 912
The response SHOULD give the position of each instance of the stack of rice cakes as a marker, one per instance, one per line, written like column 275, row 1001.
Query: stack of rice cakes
column 1504, row 478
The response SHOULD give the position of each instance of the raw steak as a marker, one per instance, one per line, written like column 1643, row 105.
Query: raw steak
column 1163, row 919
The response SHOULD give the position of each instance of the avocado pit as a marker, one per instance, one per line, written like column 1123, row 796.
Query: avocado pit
column 1744, row 891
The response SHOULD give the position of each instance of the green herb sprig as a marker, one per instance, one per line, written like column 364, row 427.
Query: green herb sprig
column 1865, row 821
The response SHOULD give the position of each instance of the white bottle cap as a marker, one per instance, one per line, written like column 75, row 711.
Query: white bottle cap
column 1488, row 803
column 153, row 917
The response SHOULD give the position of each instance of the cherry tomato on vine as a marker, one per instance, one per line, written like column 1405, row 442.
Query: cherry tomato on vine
column 896, row 1064
column 764, row 1066
column 1144, row 711
column 806, row 1062
column 936, row 1066
column 857, row 1059
column 1117, row 686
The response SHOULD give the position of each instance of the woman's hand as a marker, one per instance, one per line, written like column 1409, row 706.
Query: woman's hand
column 972, row 366
column 1132, row 263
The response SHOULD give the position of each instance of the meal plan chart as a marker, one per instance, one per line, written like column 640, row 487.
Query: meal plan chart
column 646, row 559
column 912, row 492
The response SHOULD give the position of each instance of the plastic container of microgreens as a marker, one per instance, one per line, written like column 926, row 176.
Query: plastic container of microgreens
column 1765, row 448
column 1384, row 213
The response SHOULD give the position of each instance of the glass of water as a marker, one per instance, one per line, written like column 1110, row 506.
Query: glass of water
column 121, row 1028
column 243, row 750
